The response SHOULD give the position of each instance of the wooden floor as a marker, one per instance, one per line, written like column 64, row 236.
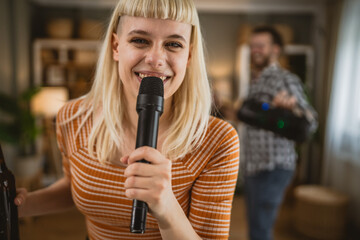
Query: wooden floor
column 71, row 226
column 283, row 228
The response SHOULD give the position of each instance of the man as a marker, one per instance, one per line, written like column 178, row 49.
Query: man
column 269, row 159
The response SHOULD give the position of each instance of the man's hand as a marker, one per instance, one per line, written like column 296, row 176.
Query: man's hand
column 284, row 100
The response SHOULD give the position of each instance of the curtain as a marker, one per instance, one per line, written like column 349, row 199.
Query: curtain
column 342, row 141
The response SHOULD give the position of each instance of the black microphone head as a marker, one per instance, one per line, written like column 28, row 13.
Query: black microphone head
column 152, row 86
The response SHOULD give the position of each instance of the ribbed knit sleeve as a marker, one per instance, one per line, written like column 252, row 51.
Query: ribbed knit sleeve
column 213, row 190
column 62, row 144
column 67, row 133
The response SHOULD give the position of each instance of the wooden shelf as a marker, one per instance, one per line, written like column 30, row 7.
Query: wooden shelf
column 68, row 62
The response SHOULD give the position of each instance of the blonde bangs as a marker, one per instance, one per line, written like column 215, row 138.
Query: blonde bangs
column 181, row 11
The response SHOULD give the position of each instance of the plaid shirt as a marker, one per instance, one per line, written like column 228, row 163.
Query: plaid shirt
column 264, row 150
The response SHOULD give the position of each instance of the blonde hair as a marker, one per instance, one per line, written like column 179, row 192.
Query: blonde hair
column 191, row 102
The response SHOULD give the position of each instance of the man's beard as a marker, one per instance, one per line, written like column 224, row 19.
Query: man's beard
column 260, row 65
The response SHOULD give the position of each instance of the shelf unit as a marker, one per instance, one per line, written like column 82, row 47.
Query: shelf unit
column 63, row 59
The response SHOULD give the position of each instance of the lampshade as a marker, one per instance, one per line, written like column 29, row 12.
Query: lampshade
column 49, row 101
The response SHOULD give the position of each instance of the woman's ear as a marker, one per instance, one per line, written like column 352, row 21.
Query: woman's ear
column 190, row 54
column 114, row 46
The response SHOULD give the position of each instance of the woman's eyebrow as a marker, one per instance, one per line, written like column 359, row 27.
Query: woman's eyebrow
column 142, row 32
column 177, row 36
column 138, row 31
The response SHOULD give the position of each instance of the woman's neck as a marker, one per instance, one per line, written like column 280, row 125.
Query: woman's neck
column 132, row 116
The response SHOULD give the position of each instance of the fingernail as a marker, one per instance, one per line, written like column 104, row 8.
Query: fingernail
column 124, row 159
column 18, row 201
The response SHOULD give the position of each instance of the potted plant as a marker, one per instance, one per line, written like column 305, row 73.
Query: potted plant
column 18, row 128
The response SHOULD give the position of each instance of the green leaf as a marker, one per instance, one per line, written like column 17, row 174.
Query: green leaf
column 8, row 104
column 9, row 133
column 28, row 94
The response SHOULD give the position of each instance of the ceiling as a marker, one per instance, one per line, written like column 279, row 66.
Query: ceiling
column 210, row 5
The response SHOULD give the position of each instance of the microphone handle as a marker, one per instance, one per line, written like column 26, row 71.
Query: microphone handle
column 147, row 132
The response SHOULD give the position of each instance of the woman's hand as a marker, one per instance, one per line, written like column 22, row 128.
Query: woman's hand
column 150, row 183
column 21, row 195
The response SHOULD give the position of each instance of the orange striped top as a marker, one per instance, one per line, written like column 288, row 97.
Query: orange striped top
column 203, row 182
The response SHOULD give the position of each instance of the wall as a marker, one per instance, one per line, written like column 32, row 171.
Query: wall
column 6, row 71
column 14, row 46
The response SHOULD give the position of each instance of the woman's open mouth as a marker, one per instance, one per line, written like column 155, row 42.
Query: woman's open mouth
column 143, row 75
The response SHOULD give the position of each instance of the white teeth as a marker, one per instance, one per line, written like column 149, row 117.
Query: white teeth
column 142, row 75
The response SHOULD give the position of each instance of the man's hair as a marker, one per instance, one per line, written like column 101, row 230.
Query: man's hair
column 275, row 35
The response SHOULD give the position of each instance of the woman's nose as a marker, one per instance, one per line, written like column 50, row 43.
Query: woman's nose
column 155, row 57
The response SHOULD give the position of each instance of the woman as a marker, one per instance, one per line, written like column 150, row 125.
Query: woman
column 190, row 182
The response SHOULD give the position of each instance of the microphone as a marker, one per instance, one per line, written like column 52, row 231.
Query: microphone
column 149, row 106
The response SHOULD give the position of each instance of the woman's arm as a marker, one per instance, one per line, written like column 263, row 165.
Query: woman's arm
column 151, row 183
column 176, row 225
column 55, row 198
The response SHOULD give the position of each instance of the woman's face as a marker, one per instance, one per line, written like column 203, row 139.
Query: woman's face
column 151, row 47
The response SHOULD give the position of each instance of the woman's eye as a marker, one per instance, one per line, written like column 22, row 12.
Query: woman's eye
column 174, row 45
column 139, row 41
